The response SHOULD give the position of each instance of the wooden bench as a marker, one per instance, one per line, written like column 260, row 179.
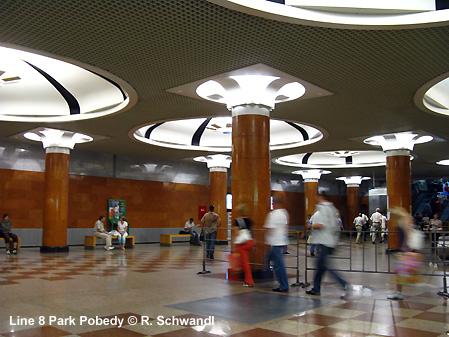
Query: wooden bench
column 18, row 241
column 167, row 239
column 90, row 241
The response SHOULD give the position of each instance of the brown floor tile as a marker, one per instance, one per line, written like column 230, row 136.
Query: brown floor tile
column 17, row 277
column 317, row 319
column 330, row 332
column 433, row 316
column 395, row 331
column 31, row 272
column 188, row 332
column 67, row 272
column 429, row 295
column 56, row 278
column 44, row 331
column 7, row 282
column 259, row 332
column 112, row 332
column 411, row 305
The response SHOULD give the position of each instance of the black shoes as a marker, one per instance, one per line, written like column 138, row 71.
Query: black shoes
column 313, row 292
column 278, row 290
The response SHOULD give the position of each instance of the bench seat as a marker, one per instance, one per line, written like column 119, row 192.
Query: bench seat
column 90, row 241
column 167, row 239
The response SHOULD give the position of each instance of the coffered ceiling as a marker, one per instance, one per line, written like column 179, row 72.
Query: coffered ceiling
column 152, row 46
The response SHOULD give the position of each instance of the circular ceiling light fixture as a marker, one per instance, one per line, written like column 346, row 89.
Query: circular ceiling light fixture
column 215, row 134
column 353, row 180
column 38, row 88
column 398, row 141
column 444, row 162
column 343, row 154
column 433, row 96
column 328, row 160
column 368, row 14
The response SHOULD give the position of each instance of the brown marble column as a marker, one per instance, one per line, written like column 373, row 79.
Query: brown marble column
column 218, row 187
column 310, row 193
column 56, row 203
column 398, row 188
column 353, row 204
column 250, row 167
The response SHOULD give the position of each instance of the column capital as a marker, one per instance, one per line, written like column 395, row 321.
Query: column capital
column 216, row 162
column 251, row 89
column 400, row 141
column 353, row 181
column 311, row 175
column 57, row 141
column 392, row 153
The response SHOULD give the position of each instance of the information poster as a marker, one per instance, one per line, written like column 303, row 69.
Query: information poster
column 116, row 209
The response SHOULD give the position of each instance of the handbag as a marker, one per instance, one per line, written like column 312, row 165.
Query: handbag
column 415, row 239
column 244, row 234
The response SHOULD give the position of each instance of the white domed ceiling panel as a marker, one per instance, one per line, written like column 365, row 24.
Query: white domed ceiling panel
column 334, row 159
column 215, row 134
column 40, row 88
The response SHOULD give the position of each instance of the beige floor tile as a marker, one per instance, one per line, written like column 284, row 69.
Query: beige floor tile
column 425, row 325
column 359, row 326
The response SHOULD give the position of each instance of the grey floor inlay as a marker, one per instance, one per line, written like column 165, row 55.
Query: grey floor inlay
column 252, row 307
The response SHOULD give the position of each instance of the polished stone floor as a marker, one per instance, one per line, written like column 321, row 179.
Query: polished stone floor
column 156, row 291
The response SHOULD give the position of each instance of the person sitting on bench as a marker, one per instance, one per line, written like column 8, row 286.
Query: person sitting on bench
column 5, row 232
column 188, row 229
column 101, row 233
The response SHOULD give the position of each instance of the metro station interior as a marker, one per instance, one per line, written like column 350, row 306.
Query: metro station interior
column 155, row 110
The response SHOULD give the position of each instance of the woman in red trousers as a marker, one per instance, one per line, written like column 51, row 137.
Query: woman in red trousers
column 244, row 242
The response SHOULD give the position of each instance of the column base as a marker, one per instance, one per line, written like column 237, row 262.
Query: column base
column 54, row 249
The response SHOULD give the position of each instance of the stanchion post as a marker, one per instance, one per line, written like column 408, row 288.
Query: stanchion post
column 204, row 271
column 297, row 284
column 306, row 283
column 445, row 253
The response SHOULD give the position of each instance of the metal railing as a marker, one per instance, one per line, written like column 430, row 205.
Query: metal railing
column 359, row 258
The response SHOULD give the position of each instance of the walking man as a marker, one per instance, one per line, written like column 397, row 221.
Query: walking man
column 277, row 225
column 325, row 232
column 376, row 219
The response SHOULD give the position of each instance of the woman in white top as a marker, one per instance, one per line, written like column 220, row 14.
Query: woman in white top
column 122, row 228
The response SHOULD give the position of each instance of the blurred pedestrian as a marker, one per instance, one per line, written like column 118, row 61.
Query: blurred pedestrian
column 244, row 242
column 407, row 262
column 276, row 236
column 326, row 236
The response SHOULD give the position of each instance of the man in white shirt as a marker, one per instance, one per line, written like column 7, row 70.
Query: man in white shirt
column 326, row 236
column 358, row 224
column 276, row 236
column 189, row 229
column 101, row 233
column 365, row 225
column 376, row 219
